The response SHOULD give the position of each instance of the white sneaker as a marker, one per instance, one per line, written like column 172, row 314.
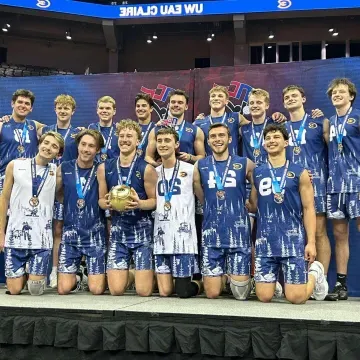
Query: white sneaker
column 53, row 279
column 321, row 286
column 278, row 291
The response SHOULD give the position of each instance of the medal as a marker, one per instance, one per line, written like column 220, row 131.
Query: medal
column 145, row 135
column 81, row 192
column 34, row 201
column 107, row 142
column 169, row 185
column 21, row 149
column 103, row 156
column 257, row 141
column 167, row 206
column 297, row 139
column 297, row 150
column 339, row 130
column 220, row 182
column 278, row 187
column 278, row 198
column 340, row 148
column 80, row 203
column 257, row 152
column 139, row 152
column 22, row 137
column 220, row 194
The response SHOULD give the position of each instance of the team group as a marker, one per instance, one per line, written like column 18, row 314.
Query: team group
column 293, row 174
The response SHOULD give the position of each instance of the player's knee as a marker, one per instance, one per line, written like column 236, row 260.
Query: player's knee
column 212, row 292
column 36, row 287
column 240, row 289
column 165, row 292
column 63, row 288
column 184, row 287
column 296, row 298
column 117, row 291
column 264, row 295
column 97, row 289
column 14, row 289
column 144, row 290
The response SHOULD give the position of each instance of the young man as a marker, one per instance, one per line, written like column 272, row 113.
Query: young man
column 144, row 106
column 84, row 222
column 106, row 110
column 344, row 175
column 175, row 242
column 191, row 138
column 283, row 196
column 64, row 108
column 29, row 189
column 131, row 233
column 307, row 146
column 220, row 185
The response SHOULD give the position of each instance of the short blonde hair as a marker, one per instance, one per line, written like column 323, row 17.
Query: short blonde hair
column 107, row 99
column 57, row 137
column 260, row 92
column 65, row 99
column 219, row 88
column 342, row 81
column 128, row 124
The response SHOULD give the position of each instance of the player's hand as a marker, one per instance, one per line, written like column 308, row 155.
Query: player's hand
column 5, row 118
column 135, row 201
column 278, row 117
column 316, row 113
column 184, row 156
column 107, row 201
column 2, row 242
column 164, row 122
column 200, row 117
column 247, row 205
column 81, row 128
column 310, row 252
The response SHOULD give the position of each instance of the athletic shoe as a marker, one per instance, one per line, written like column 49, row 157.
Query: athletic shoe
column 53, row 279
column 253, row 288
column 321, row 288
column 83, row 278
column 340, row 292
column 278, row 291
column 78, row 285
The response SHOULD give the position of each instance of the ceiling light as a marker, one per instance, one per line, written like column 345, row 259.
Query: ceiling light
column 331, row 29
column 335, row 33
column 209, row 38
column 271, row 35
column 149, row 41
column 212, row 35
column 68, row 35
column 154, row 36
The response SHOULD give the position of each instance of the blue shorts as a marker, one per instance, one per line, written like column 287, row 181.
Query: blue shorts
column 218, row 261
column 119, row 256
column 343, row 206
column 70, row 259
column 58, row 213
column 177, row 265
column 294, row 268
column 16, row 259
column 320, row 204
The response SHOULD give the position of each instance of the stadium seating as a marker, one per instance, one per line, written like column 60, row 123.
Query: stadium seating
column 10, row 70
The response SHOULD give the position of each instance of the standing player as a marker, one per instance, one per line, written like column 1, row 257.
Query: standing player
column 106, row 110
column 84, row 221
column 29, row 189
column 344, row 175
column 64, row 108
column 283, row 196
column 307, row 146
column 175, row 242
column 131, row 233
column 191, row 138
column 220, row 184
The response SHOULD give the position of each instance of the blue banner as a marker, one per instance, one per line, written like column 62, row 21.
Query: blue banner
column 178, row 9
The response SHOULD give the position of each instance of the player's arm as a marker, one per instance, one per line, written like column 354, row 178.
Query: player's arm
column 250, row 166
column 198, row 190
column 243, row 120
column 104, row 201
column 253, row 199
column 4, row 201
column 151, row 149
column 326, row 130
column 39, row 127
column 59, row 186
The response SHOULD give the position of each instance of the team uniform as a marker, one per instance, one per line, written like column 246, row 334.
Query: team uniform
column 280, row 238
column 29, row 236
column 308, row 148
column 131, row 233
column 226, row 245
column 343, row 185
column 17, row 140
column 84, row 221
column 175, row 241
column 111, row 149
column 145, row 131
column 231, row 120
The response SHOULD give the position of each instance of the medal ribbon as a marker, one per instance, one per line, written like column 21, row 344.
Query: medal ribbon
column 340, row 133
column 169, row 187
column 220, row 182
column 36, row 186
column 297, row 139
column 80, row 191
column 24, row 133
column 222, row 120
column 142, row 143
column 67, row 131
column 258, row 141
column 278, row 187
column 128, row 178
column 108, row 140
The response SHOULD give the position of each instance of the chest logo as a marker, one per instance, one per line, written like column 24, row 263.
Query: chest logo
column 138, row 175
column 183, row 173
column 312, row 125
column 290, row 175
column 189, row 130
column 237, row 166
column 31, row 127
column 231, row 120
column 351, row 121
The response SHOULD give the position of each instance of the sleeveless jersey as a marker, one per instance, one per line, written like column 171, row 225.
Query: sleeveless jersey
column 132, row 227
column 85, row 227
column 344, row 168
column 31, row 227
column 280, row 230
column 226, row 222
column 145, row 141
column 187, row 139
column 71, row 148
column 175, row 231
column 9, row 142
column 113, row 150
column 248, row 142
column 231, row 120
column 313, row 154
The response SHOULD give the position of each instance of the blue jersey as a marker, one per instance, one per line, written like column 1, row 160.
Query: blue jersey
column 112, row 149
column 344, row 168
column 226, row 221
column 145, row 137
column 71, row 148
column 82, row 227
column 231, row 120
column 280, row 230
column 248, row 149
column 313, row 153
column 132, row 227
column 10, row 139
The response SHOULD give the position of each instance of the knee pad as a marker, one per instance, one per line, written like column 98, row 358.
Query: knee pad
column 184, row 288
column 36, row 287
column 240, row 289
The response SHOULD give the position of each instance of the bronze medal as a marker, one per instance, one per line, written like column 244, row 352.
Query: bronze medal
column 167, row 206
column 21, row 149
column 103, row 156
column 220, row 194
column 34, row 201
column 297, row 150
column 340, row 147
column 279, row 198
column 257, row 152
column 80, row 203
column 139, row 152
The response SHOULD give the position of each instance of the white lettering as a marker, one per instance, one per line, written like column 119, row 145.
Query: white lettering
column 133, row 11
column 193, row 8
column 153, row 10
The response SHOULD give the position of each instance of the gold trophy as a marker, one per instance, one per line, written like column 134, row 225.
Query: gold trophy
column 119, row 196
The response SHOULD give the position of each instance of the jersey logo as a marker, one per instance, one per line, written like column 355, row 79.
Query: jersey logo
column 73, row 136
column 237, row 166
column 183, row 174
column 51, row 173
column 189, row 130
column 31, row 127
column 290, row 175
column 138, row 175
column 231, row 120
column 351, row 121
column 312, row 125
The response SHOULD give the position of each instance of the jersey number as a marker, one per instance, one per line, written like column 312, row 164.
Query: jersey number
column 303, row 139
column 19, row 133
column 265, row 186
column 230, row 180
column 333, row 133
column 176, row 188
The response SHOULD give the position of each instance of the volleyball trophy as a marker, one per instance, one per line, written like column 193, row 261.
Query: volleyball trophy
column 119, row 196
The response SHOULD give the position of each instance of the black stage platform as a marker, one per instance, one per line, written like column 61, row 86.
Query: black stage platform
column 82, row 326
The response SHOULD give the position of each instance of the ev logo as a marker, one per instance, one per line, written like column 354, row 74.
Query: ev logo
column 284, row 4
column 43, row 4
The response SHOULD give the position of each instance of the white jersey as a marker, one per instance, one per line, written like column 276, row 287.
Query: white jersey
column 30, row 227
column 175, row 231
